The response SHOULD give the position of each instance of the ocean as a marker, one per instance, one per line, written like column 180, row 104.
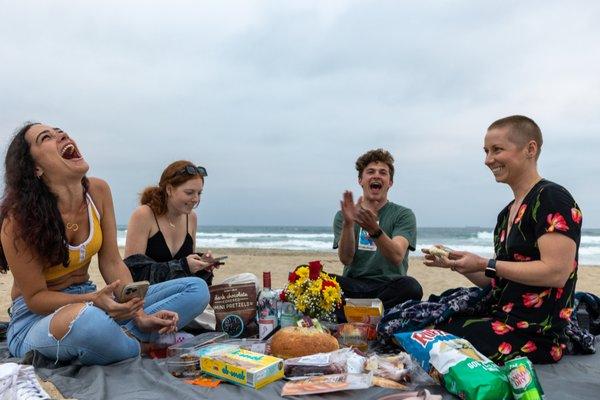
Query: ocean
column 314, row 238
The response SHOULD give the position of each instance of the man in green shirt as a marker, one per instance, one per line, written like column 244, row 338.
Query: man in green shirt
column 374, row 235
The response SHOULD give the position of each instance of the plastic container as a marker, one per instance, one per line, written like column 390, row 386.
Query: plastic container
column 255, row 345
column 191, row 345
column 184, row 366
column 187, row 365
column 356, row 334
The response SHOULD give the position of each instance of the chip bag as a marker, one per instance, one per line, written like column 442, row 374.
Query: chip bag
column 456, row 364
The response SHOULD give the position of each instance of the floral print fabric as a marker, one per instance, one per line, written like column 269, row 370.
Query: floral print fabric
column 525, row 320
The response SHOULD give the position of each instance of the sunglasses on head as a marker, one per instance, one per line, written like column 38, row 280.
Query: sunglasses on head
column 192, row 170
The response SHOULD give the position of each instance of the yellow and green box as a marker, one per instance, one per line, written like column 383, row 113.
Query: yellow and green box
column 243, row 367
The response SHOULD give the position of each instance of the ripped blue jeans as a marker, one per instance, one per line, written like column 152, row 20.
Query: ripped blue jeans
column 93, row 337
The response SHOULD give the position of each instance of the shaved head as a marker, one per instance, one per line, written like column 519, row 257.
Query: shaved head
column 521, row 130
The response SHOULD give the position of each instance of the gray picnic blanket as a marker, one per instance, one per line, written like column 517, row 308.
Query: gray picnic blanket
column 574, row 377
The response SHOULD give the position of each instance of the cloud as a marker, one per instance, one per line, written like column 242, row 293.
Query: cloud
column 278, row 99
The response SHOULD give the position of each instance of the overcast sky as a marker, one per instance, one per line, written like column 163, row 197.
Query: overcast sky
column 278, row 99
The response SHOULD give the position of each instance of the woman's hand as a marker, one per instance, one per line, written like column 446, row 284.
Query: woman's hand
column 163, row 321
column 105, row 300
column 197, row 263
column 462, row 262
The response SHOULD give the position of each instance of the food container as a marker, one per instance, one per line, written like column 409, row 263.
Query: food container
column 191, row 345
column 187, row 365
column 367, row 311
column 356, row 334
column 243, row 367
column 184, row 366
column 255, row 345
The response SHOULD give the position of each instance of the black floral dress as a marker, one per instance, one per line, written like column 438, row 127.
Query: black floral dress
column 523, row 320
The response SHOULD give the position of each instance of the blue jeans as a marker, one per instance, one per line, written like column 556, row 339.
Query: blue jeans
column 94, row 338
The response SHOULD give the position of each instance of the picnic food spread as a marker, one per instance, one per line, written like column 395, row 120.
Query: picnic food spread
column 321, row 356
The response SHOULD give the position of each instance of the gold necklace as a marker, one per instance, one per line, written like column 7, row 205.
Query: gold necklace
column 172, row 225
column 72, row 226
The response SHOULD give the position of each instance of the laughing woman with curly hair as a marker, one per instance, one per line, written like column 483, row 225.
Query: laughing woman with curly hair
column 53, row 220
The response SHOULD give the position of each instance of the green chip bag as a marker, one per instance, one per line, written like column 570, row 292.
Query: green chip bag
column 456, row 364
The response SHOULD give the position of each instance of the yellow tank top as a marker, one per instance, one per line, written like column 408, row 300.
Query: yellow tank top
column 82, row 254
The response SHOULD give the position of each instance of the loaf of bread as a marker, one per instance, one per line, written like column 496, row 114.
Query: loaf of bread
column 293, row 341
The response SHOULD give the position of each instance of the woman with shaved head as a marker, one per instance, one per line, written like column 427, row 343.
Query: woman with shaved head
column 536, row 241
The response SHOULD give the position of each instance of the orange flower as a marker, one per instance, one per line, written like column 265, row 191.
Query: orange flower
column 534, row 300
column 508, row 307
column 576, row 215
column 522, row 324
column 556, row 353
column 565, row 313
column 556, row 222
column 505, row 348
column 520, row 213
column 500, row 328
column 529, row 347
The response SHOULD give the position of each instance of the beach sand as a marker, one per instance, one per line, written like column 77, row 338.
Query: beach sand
column 281, row 262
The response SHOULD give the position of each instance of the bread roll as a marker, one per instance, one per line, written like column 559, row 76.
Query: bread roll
column 293, row 341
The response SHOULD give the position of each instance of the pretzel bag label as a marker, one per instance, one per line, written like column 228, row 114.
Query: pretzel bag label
column 456, row 364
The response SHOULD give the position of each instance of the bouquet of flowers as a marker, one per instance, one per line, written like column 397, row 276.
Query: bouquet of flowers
column 313, row 292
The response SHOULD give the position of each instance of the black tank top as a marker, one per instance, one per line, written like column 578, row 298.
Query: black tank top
column 157, row 248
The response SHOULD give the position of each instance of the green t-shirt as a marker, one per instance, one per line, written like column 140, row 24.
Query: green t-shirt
column 368, row 262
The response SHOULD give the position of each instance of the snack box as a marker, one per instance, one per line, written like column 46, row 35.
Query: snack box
column 368, row 311
column 243, row 367
column 195, row 343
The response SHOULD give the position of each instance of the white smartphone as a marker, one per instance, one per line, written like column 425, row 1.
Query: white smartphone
column 132, row 290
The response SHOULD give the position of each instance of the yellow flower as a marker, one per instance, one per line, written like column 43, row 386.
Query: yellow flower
column 316, row 298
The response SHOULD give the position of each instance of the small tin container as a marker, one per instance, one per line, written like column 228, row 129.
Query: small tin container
column 523, row 379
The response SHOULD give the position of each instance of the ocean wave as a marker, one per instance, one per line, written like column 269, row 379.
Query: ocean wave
column 282, row 245
column 478, row 242
column 485, row 235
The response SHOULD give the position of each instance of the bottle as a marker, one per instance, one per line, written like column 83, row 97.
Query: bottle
column 266, row 307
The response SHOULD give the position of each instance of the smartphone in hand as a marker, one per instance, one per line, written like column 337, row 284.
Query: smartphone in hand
column 133, row 290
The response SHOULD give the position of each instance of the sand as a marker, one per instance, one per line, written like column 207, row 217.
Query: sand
column 281, row 262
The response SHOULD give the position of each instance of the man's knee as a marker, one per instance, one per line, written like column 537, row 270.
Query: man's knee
column 63, row 319
column 409, row 287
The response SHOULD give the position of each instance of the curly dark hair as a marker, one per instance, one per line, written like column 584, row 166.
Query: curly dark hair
column 155, row 197
column 378, row 155
column 30, row 203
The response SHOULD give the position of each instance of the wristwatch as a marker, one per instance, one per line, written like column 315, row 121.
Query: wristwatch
column 490, row 269
column 376, row 234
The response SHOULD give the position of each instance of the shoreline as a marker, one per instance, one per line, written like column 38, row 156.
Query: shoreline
column 281, row 262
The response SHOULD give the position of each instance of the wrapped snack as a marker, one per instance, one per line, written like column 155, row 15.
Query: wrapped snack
column 439, row 251
column 318, row 364
column 392, row 367
column 456, row 364
column 327, row 384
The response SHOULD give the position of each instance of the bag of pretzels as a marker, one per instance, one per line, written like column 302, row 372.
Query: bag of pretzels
column 235, row 308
